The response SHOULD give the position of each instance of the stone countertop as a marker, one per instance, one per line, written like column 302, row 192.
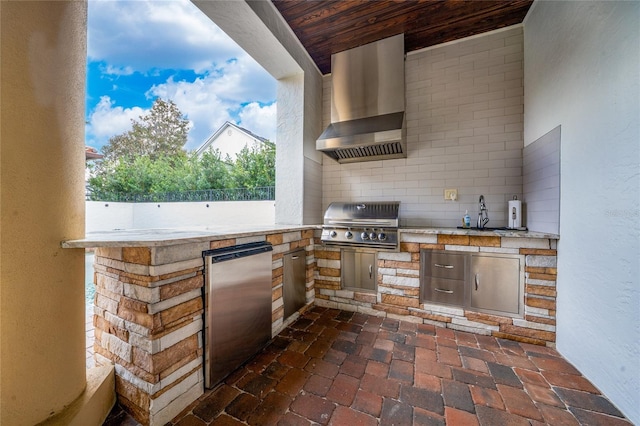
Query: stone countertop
column 509, row 233
column 175, row 236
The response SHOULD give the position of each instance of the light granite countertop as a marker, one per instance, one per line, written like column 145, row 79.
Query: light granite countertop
column 174, row 236
column 509, row 233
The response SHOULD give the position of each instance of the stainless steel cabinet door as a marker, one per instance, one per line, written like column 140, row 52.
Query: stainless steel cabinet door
column 295, row 278
column 359, row 270
column 238, row 313
column 495, row 283
column 368, row 271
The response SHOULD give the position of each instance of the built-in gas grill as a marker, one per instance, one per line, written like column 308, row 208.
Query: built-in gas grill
column 373, row 225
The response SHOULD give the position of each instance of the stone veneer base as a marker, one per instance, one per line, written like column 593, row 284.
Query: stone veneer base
column 398, row 294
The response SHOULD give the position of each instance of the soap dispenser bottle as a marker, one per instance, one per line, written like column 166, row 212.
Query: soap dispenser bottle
column 466, row 220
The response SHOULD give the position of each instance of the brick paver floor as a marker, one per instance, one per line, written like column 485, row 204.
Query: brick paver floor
column 342, row 368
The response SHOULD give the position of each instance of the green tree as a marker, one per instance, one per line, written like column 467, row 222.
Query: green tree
column 255, row 167
column 213, row 172
column 163, row 131
column 129, row 169
column 133, row 177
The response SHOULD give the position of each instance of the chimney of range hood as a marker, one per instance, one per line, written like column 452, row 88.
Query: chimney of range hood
column 367, row 103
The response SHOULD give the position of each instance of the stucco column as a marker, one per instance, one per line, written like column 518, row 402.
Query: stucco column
column 42, row 89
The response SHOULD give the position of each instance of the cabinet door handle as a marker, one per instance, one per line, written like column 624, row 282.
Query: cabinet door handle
column 477, row 281
column 443, row 291
column 439, row 265
column 295, row 257
column 370, row 271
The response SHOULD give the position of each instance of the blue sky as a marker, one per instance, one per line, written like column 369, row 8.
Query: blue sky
column 139, row 50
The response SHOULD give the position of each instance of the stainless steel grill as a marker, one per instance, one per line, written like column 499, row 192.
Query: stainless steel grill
column 373, row 225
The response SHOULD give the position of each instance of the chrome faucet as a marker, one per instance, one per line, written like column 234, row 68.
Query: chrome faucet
column 483, row 216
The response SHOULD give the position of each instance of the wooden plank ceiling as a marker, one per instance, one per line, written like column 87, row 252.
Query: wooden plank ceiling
column 325, row 27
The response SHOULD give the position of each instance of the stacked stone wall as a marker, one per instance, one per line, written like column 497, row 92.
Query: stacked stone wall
column 148, row 321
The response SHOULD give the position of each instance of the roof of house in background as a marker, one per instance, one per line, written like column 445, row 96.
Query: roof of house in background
column 91, row 153
column 221, row 130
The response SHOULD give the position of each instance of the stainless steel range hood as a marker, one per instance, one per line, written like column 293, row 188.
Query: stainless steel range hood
column 367, row 103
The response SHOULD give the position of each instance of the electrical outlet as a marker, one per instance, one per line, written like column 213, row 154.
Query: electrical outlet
column 450, row 194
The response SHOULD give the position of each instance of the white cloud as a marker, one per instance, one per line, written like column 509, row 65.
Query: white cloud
column 261, row 120
column 109, row 69
column 218, row 96
column 107, row 120
column 206, row 111
column 182, row 36
column 237, row 80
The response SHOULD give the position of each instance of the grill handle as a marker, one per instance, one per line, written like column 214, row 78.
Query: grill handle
column 377, row 223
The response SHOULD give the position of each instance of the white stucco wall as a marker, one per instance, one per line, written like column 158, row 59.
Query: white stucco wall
column 103, row 216
column 582, row 71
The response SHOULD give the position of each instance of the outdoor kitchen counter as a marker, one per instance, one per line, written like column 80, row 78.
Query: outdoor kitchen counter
column 148, row 305
column 506, row 233
column 175, row 236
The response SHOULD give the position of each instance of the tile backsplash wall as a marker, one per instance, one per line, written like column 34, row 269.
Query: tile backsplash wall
column 464, row 104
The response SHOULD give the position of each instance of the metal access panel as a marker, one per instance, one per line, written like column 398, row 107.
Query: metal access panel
column 359, row 270
column 294, row 281
column 495, row 283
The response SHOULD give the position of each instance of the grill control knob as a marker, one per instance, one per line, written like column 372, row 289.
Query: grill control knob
column 372, row 236
column 364, row 236
column 382, row 236
column 333, row 234
column 348, row 234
